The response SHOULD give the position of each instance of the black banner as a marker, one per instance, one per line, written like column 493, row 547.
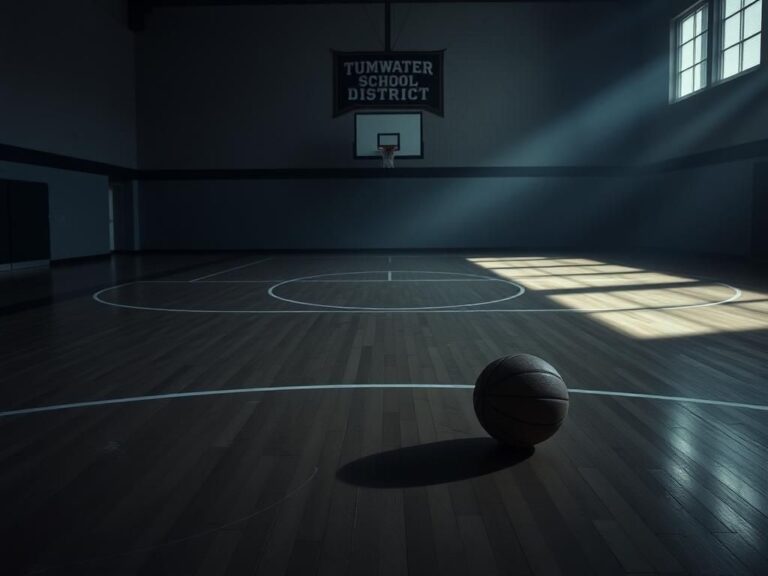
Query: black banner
column 412, row 80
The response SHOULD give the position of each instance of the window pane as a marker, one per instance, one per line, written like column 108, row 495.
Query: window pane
column 751, row 52
column 686, row 56
column 753, row 19
column 732, row 30
column 731, row 6
column 686, row 82
column 691, row 50
column 700, row 48
column 686, row 30
column 699, row 20
column 731, row 62
column 699, row 77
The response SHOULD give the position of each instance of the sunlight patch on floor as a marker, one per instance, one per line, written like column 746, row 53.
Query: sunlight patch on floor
column 598, row 282
column 637, row 296
column 511, row 272
column 641, row 298
column 656, row 324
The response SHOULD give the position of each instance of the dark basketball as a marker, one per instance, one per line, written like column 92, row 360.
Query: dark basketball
column 520, row 400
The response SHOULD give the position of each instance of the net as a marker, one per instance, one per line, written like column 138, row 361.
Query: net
column 387, row 152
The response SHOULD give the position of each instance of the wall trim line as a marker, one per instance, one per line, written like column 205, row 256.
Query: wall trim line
column 741, row 152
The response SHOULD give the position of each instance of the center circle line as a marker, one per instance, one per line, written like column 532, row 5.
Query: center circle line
column 304, row 279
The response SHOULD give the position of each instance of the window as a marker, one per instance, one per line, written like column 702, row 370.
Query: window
column 740, row 27
column 735, row 43
column 691, row 48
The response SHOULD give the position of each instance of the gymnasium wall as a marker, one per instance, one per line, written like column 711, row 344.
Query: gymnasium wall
column 67, row 87
column 701, row 210
column 760, row 211
column 727, row 114
column 604, row 213
column 570, row 94
column 711, row 145
column 549, row 85
column 526, row 84
column 251, row 86
column 68, row 80
column 375, row 213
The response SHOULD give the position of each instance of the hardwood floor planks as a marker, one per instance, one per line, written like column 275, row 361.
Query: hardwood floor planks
column 390, row 482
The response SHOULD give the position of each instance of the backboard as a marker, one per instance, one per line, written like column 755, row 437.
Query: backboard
column 375, row 129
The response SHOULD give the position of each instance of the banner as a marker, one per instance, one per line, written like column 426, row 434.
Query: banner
column 412, row 80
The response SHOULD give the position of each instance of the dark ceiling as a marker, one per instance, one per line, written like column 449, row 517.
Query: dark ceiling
column 150, row 3
column 138, row 9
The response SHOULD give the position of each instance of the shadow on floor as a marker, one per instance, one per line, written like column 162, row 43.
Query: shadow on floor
column 434, row 463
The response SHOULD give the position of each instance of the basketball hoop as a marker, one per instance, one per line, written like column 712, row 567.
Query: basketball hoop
column 387, row 152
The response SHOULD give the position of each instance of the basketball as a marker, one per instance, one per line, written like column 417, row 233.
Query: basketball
column 520, row 400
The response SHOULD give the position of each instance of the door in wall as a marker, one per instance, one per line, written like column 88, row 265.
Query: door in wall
column 26, row 220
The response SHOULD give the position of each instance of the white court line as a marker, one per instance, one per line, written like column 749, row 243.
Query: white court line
column 281, row 280
column 267, row 389
column 734, row 297
column 271, row 292
column 389, row 276
column 231, row 269
column 670, row 399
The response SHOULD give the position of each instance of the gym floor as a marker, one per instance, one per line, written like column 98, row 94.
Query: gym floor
column 312, row 414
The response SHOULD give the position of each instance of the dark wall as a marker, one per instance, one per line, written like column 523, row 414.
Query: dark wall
column 730, row 113
column 661, row 211
column 709, row 131
column 548, row 84
column 374, row 213
column 701, row 210
column 528, row 84
column 67, row 87
column 525, row 83
column 78, row 208
column 760, row 211
column 126, row 216
column 5, row 229
column 68, row 79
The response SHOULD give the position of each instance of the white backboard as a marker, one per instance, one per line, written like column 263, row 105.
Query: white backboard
column 374, row 128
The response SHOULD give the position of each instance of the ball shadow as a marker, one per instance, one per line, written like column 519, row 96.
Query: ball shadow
column 434, row 463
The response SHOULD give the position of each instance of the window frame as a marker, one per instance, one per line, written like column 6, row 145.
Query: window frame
column 715, row 31
column 717, row 70
column 674, row 51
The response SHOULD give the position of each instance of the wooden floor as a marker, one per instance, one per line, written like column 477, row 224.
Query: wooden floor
column 380, row 480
